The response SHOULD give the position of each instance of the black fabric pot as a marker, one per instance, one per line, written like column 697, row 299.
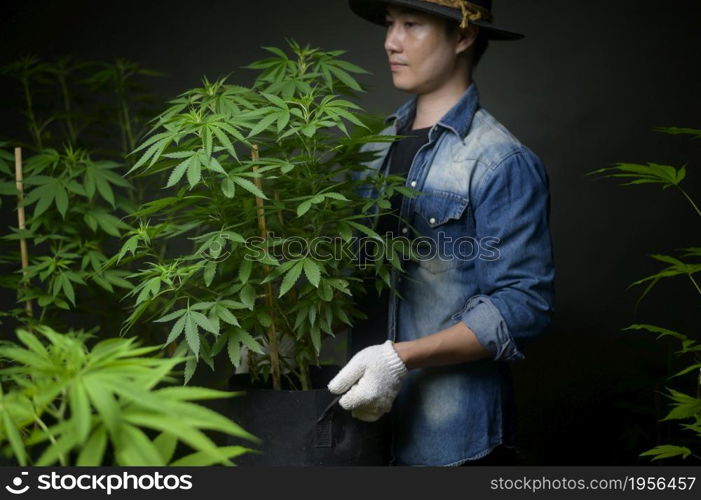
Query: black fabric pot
column 306, row 427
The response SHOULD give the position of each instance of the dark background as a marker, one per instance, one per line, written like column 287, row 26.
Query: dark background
column 584, row 89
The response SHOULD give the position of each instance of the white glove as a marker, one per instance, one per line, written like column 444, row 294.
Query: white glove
column 374, row 377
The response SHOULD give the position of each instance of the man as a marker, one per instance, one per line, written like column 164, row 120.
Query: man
column 483, row 284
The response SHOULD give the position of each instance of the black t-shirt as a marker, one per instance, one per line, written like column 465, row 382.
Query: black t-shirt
column 373, row 330
column 401, row 156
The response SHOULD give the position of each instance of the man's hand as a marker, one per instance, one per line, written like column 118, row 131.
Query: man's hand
column 372, row 378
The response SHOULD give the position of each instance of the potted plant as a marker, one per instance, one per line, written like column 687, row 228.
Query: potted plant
column 263, row 180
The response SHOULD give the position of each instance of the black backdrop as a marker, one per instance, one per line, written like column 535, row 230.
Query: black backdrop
column 583, row 90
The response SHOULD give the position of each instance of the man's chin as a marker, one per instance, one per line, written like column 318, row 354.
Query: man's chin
column 404, row 87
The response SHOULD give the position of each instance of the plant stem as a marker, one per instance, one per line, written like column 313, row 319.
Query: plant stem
column 21, row 225
column 272, row 333
column 67, row 106
column 695, row 284
column 33, row 126
column 41, row 423
column 128, row 140
column 126, row 121
column 690, row 200
column 304, row 376
column 303, row 373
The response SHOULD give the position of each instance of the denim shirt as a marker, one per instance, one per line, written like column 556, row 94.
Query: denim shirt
column 486, row 260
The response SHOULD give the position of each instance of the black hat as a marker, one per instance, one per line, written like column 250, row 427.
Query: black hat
column 477, row 12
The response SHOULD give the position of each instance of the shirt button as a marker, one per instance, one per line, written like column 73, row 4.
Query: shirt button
column 405, row 230
column 432, row 220
column 413, row 184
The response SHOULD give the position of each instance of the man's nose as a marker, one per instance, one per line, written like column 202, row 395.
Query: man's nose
column 392, row 40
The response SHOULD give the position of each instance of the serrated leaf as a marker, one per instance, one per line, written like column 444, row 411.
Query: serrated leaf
column 191, row 335
column 245, row 270
column 171, row 316
column 275, row 100
column 80, row 410
column 303, row 208
column 291, row 278
column 194, row 172
column 165, row 443
column 234, row 350
column 14, row 438
column 68, row 288
column 365, row 230
column 336, row 196
column 178, row 172
column 248, row 296
column 225, row 142
column 249, row 341
column 177, row 329
column 349, row 66
column 345, row 78
column 47, row 197
column 667, row 451
column 190, row 368
column 263, row 124
column 93, row 451
column 685, row 406
column 312, row 271
column 61, row 198
column 227, row 316
column 228, row 187
column 210, row 270
column 249, row 186
column 214, row 165
column 316, row 338
column 204, row 322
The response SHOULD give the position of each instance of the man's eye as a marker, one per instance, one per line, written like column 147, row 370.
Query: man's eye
column 407, row 24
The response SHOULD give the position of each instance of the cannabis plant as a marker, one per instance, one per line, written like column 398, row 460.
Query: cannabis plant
column 251, row 246
column 74, row 192
column 62, row 402
column 685, row 407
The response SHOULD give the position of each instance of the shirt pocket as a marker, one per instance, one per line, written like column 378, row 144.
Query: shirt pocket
column 444, row 231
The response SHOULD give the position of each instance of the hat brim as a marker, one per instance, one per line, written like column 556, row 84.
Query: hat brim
column 375, row 10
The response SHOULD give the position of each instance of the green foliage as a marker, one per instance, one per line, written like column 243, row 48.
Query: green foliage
column 70, row 191
column 61, row 402
column 246, row 284
column 652, row 173
column 677, row 268
column 684, row 407
column 693, row 132
column 667, row 451
column 74, row 193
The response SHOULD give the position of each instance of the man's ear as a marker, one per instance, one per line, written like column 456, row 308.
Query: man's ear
column 466, row 38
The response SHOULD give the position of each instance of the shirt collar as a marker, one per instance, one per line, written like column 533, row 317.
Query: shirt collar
column 457, row 119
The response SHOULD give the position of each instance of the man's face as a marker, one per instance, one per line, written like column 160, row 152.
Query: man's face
column 422, row 57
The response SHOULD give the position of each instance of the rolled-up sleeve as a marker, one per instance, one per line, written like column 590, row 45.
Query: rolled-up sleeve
column 516, row 276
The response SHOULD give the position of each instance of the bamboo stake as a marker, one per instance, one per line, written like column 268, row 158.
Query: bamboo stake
column 272, row 333
column 21, row 222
